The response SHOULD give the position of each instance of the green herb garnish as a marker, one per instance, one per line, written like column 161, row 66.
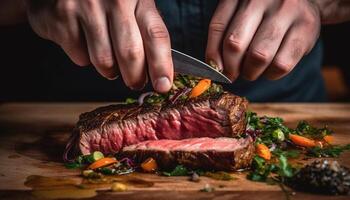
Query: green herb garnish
column 329, row 151
column 130, row 101
column 179, row 170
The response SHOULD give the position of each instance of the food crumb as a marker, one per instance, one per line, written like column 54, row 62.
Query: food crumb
column 194, row 177
column 118, row 187
column 207, row 188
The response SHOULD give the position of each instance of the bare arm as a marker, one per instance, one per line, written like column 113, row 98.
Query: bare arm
column 333, row 11
column 12, row 12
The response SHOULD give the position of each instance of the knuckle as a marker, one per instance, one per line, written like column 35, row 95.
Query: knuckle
column 217, row 27
column 64, row 8
column 233, row 44
column 134, row 83
column 158, row 32
column 91, row 4
column 131, row 53
column 104, row 61
column 249, row 77
column 259, row 57
column 282, row 67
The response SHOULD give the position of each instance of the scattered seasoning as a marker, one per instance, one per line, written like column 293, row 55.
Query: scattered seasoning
column 221, row 175
column 118, row 187
column 323, row 176
column 194, row 177
column 207, row 188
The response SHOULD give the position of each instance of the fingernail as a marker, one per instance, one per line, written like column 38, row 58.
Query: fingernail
column 162, row 84
column 214, row 65
column 112, row 78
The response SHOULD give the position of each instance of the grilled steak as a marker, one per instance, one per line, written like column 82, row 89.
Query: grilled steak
column 109, row 129
column 224, row 153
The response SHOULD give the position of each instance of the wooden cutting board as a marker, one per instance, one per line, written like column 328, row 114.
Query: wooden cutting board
column 33, row 135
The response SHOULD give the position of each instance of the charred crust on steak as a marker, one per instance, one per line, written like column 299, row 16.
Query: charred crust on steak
column 106, row 115
column 108, row 128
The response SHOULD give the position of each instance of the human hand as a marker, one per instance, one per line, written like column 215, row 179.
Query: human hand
column 116, row 36
column 254, row 38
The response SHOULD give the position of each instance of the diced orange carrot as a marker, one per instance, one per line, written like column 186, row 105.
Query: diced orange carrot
column 328, row 138
column 200, row 88
column 263, row 151
column 302, row 141
column 102, row 162
column 149, row 165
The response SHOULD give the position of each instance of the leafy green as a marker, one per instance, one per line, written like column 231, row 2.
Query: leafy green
column 305, row 129
column 263, row 170
column 77, row 163
column 328, row 151
column 130, row 100
column 284, row 168
column 179, row 170
column 260, row 169
column 293, row 153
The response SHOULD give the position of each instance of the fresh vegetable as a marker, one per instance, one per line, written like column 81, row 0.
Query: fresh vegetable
column 200, row 88
column 102, row 162
column 130, row 101
column 179, row 170
column 328, row 138
column 95, row 156
column 149, row 165
column 118, row 187
column 306, row 130
column 263, row 151
column 262, row 169
column 87, row 172
column 302, row 141
column 328, row 151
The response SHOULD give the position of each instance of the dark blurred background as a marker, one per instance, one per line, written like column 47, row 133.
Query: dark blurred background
column 24, row 77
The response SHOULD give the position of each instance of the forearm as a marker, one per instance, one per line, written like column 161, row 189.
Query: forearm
column 12, row 12
column 333, row 11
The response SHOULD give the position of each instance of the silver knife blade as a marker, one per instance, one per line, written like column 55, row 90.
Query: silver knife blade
column 185, row 64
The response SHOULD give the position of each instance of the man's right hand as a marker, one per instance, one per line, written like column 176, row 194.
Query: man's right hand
column 116, row 36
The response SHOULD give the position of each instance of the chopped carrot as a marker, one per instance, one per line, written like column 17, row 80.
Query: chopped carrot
column 263, row 151
column 149, row 165
column 200, row 88
column 328, row 138
column 302, row 141
column 102, row 162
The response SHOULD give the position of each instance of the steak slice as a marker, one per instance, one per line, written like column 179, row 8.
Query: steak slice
column 224, row 153
column 109, row 129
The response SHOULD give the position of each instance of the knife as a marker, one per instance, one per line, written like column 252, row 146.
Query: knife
column 185, row 64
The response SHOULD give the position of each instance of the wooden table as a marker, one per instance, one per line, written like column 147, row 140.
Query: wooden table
column 32, row 136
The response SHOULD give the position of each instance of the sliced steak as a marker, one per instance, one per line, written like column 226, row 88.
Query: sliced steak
column 109, row 129
column 227, row 154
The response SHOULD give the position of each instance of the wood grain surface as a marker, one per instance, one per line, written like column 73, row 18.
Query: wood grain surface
column 33, row 135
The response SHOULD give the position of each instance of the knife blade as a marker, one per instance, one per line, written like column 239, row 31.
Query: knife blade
column 185, row 64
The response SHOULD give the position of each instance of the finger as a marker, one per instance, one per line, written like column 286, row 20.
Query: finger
column 217, row 27
column 240, row 32
column 157, row 45
column 127, row 45
column 293, row 48
column 265, row 44
column 67, row 33
column 73, row 43
column 94, row 24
